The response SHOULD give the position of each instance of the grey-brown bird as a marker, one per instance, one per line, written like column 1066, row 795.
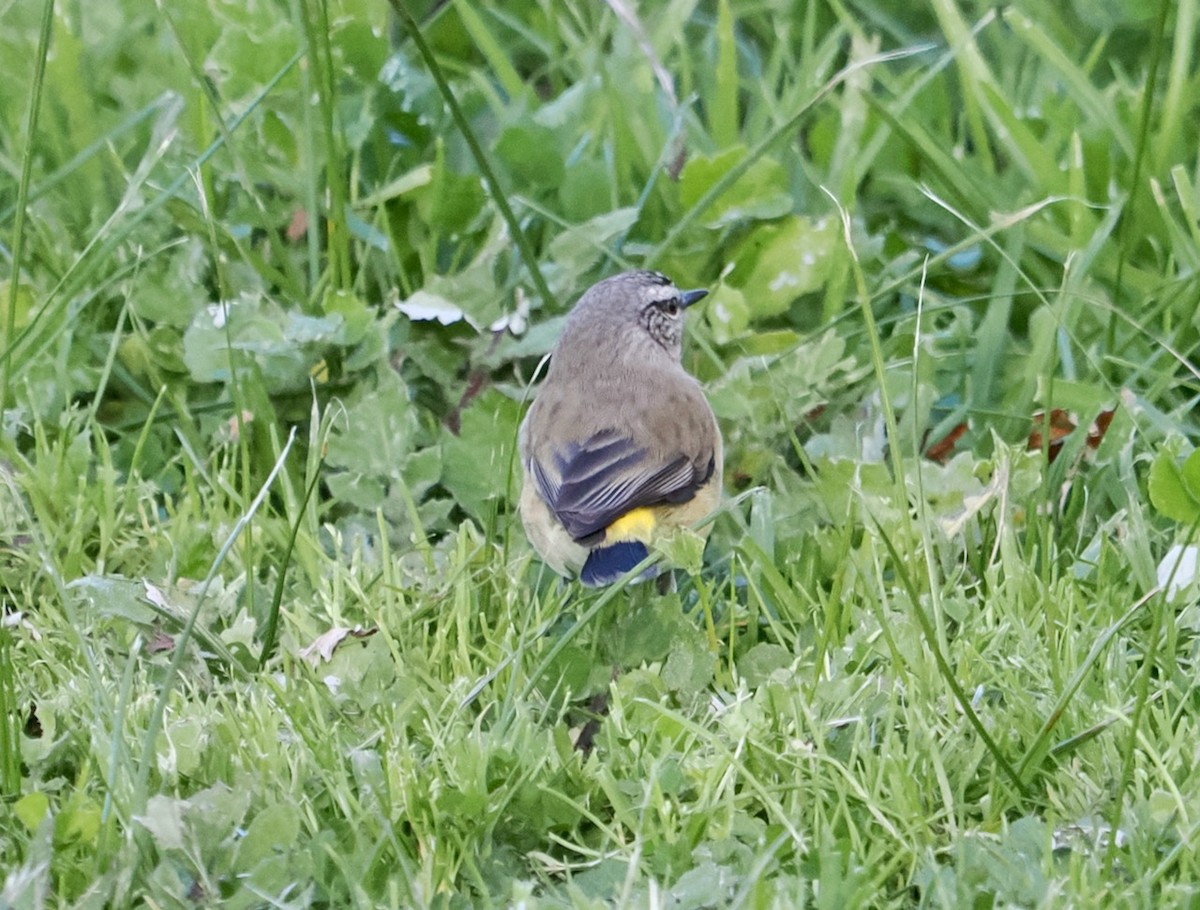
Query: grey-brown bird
column 620, row 445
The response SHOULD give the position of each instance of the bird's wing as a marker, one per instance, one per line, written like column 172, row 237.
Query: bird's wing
column 594, row 482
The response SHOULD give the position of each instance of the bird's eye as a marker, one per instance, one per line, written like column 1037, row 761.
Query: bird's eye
column 671, row 307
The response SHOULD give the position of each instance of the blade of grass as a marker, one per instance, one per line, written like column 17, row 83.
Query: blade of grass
column 18, row 241
column 974, row 72
column 96, row 147
column 103, row 246
column 1040, row 747
column 482, row 159
column 281, row 571
column 929, row 631
column 315, row 20
column 492, row 50
column 724, row 118
column 10, row 720
column 167, row 684
column 266, row 223
column 929, row 628
column 1128, row 223
column 1171, row 133
column 764, row 145
column 1098, row 109
column 1124, row 783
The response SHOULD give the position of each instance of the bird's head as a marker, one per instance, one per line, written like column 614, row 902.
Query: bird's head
column 643, row 302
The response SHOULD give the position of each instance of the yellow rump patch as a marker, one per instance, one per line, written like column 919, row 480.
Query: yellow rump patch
column 636, row 525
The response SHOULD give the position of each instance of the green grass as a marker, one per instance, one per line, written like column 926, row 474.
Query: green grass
column 893, row 681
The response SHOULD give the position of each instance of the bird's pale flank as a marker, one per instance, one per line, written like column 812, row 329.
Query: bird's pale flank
column 620, row 445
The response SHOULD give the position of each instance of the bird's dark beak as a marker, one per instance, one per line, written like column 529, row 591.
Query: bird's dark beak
column 687, row 298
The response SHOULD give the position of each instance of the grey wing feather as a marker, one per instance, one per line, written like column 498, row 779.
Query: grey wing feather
column 608, row 475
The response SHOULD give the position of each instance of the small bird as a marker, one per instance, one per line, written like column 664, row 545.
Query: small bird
column 620, row 445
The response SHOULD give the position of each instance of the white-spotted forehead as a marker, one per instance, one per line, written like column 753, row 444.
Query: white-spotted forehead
column 662, row 293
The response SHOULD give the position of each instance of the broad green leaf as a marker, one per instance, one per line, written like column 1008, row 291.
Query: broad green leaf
column 1191, row 475
column 586, row 190
column 704, row 885
column 727, row 313
column 252, row 45
column 449, row 202
column 32, row 808
column 171, row 287
column 781, row 261
column 690, row 665
column 106, row 595
column 354, row 315
column 378, row 430
column 569, row 674
column 530, row 153
column 577, row 249
column 683, row 549
column 1174, row 488
column 479, row 464
column 647, row 633
column 763, row 191
column 78, row 821
column 281, row 343
column 273, row 829
column 164, row 820
column 757, row 664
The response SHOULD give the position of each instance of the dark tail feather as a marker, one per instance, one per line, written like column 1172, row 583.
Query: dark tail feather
column 607, row 564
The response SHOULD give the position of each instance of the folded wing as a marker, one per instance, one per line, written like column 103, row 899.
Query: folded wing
column 592, row 483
